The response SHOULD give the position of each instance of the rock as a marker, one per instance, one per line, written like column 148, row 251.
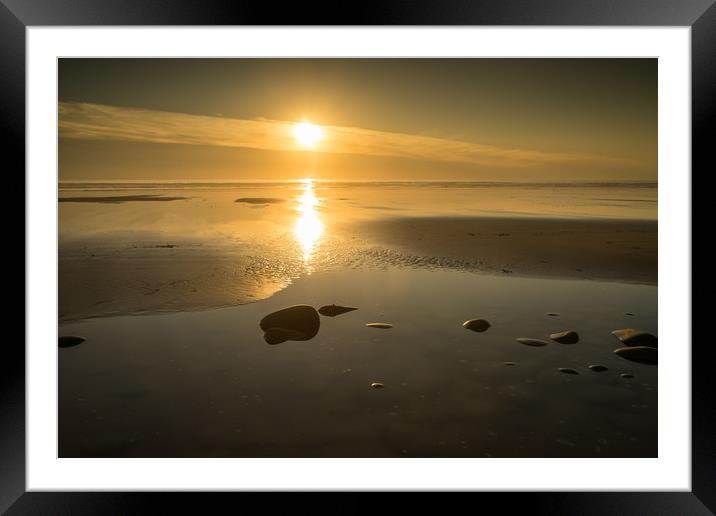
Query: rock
column 279, row 335
column 381, row 325
column 68, row 341
column 567, row 370
column 377, row 385
column 552, row 314
column 633, row 337
column 626, row 375
column 509, row 363
column 641, row 354
column 478, row 325
column 298, row 322
column 532, row 342
column 565, row 337
column 333, row 310
column 598, row 368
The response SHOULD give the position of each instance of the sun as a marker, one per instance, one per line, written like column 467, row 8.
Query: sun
column 307, row 134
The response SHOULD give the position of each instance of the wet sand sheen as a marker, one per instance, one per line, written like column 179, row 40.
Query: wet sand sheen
column 447, row 391
column 116, row 199
column 612, row 250
column 116, row 279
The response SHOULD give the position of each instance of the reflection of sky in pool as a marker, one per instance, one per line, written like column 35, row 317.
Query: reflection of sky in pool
column 206, row 384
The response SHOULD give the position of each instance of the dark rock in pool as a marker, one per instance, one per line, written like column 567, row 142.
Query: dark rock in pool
column 634, row 337
column 333, row 310
column 567, row 370
column 552, row 314
column 298, row 322
column 565, row 337
column 532, row 342
column 381, row 325
column 68, row 341
column 279, row 335
column 641, row 354
column 598, row 368
column 478, row 325
column 626, row 375
column 509, row 363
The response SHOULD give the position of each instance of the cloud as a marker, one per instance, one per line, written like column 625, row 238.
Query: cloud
column 102, row 122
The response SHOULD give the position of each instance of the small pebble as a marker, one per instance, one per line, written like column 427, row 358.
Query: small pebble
column 478, row 325
column 565, row 337
column 626, row 375
column 567, row 370
column 68, row 341
column 532, row 342
column 641, row 354
column 334, row 310
column 597, row 368
column 552, row 314
column 377, row 385
column 381, row 325
column 634, row 337
column 509, row 363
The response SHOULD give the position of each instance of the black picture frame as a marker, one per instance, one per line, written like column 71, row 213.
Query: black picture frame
column 17, row 15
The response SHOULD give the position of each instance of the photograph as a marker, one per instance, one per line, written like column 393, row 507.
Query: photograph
column 357, row 257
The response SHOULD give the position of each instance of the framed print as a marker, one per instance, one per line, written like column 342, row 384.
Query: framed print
column 414, row 250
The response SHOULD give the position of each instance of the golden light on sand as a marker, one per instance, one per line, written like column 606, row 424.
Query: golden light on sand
column 307, row 134
column 309, row 227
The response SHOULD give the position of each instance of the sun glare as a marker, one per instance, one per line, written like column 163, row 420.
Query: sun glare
column 307, row 134
column 308, row 226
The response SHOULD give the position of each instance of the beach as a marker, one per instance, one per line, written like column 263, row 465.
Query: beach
column 210, row 251
column 171, row 277
column 168, row 282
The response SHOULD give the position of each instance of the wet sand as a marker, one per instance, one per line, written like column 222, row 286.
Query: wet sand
column 193, row 376
column 116, row 199
column 600, row 249
column 169, row 279
column 98, row 280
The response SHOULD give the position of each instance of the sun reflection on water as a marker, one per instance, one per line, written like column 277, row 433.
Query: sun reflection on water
column 309, row 227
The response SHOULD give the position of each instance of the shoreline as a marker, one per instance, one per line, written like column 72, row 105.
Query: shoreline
column 175, row 278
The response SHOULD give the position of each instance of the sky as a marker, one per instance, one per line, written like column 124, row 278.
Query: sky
column 381, row 119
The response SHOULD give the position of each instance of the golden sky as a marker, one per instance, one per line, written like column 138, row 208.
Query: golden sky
column 380, row 119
